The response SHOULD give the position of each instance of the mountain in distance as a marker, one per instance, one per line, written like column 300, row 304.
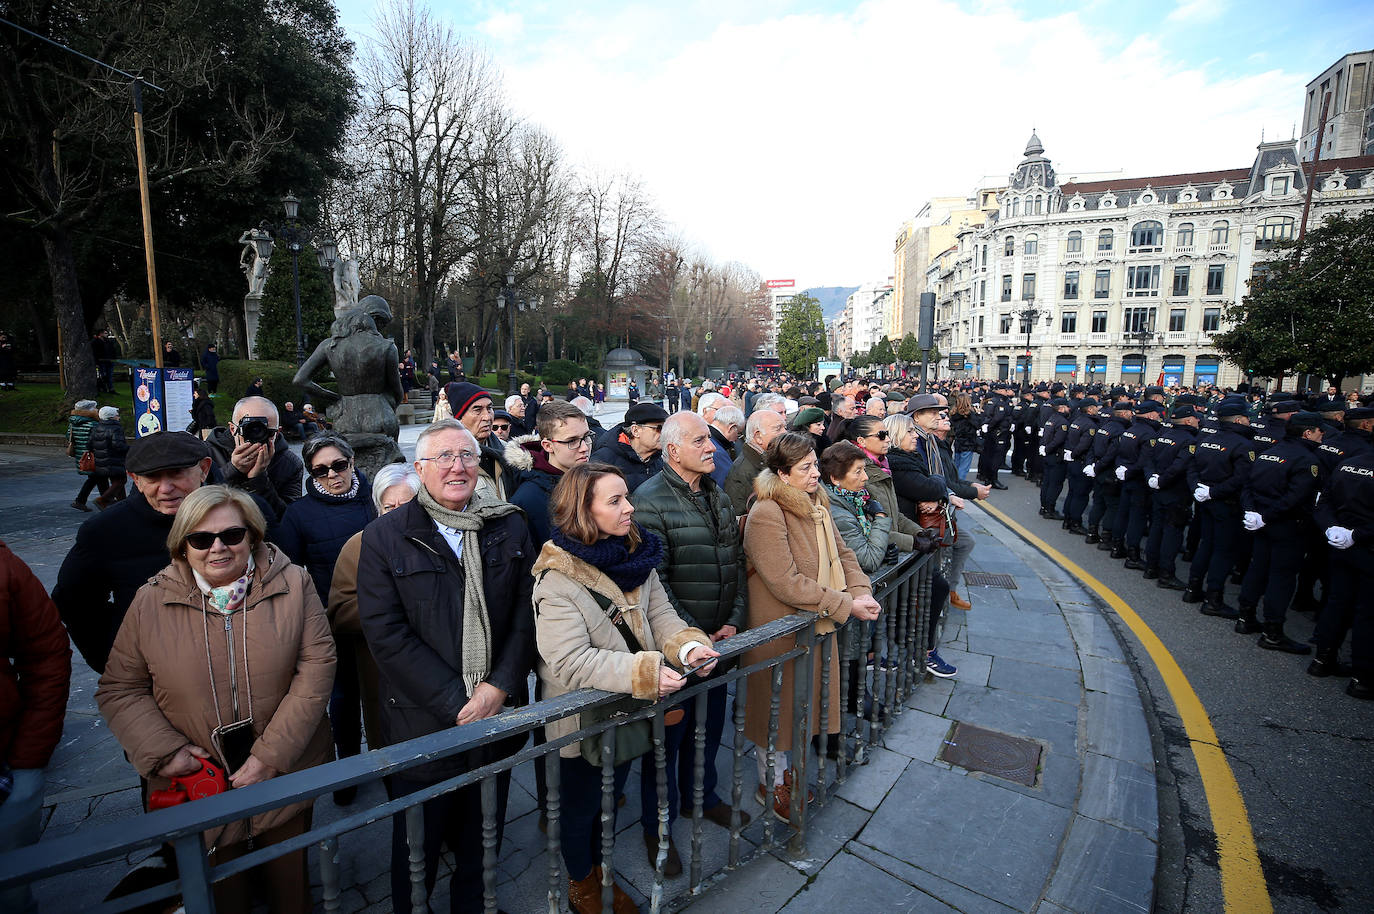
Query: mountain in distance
column 832, row 298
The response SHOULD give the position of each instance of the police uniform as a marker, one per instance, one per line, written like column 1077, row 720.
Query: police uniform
column 996, row 424
column 1166, row 467
column 1053, row 435
column 1106, row 487
column 1133, row 510
column 1345, row 514
column 1021, row 410
column 1221, row 463
column 1034, row 421
column 1077, row 448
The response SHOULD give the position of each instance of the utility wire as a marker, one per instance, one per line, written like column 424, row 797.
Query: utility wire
column 63, row 47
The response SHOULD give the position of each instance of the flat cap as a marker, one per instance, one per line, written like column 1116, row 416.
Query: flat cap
column 165, row 451
column 642, row 413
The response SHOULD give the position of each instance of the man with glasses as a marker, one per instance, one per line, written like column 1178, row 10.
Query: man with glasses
column 563, row 442
column 473, row 407
column 252, row 454
column 635, row 450
column 444, row 586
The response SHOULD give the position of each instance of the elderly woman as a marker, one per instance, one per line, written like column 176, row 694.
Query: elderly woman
column 603, row 621
column 861, row 520
column 871, row 436
column 797, row 562
column 226, row 655
column 337, row 504
column 83, row 418
column 108, row 446
column 394, row 485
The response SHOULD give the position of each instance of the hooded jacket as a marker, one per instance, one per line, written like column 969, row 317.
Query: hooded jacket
column 532, row 493
column 621, row 455
column 156, row 692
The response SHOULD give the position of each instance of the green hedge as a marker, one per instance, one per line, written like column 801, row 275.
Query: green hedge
column 560, row 371
column 236, row 374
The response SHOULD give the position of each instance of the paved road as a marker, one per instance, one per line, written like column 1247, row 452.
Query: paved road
column 1301, row 750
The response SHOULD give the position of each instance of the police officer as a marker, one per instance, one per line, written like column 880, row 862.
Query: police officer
column 1034, row 419
column 1277, row 501
column 1345, row 514
column 1102, row 470
column 1053, row 435
column 1077, row 449
column 996, row 428
column 1221, row 464
column 1170, row 453
column 1021, row 411
column 1133, row 511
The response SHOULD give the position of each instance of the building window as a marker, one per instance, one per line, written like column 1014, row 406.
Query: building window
column 1016, row 207
column 980, row 326
column 1142, row 281
column 1099, row 322
column 1006, row 287
column 1068, row 322
column 1221, row 232
column 1010, row 247
column 1211, row 320
column 1216, row 278
column 1281, row 185
column 982, row 290
column 1273, row 229
column 1178, row 320
column 1184, row 239
column 985, row 256
column 1039, row 203
column 1032, row 244
column 1102, row 284
column 1104, row 241
column 1075, row 244
column 1147, row 236
column 1181, row 280
column 1139, row 320
column 1028, row 287
column 1071, row 284
column 1005, row 324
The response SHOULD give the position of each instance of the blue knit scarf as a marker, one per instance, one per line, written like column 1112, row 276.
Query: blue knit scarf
column 612, row 556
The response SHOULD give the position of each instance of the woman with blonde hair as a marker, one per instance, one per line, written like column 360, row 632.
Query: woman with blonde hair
column 226, row 656
column 603, row 621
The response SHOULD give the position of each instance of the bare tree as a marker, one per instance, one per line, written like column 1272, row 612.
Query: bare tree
column 617, row 225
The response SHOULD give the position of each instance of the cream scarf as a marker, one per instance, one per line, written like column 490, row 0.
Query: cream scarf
column 476, row 622
column 829, row 571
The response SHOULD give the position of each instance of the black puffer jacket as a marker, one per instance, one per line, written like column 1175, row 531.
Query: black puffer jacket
column 703, row 560
column 410, row 603
column 316, row 527
column 623, row 457
column 912, row 481
column 964, row 431
column 109, row 447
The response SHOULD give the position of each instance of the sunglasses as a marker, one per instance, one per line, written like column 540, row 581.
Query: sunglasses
column 500, row 426
column 202, row 540
column 324, row 469
column 881, row 436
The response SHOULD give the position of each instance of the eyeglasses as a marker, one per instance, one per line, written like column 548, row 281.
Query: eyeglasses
column 202, row 539
column 322, row 470
column 658, row 426
column 881, row 435
column 446, row 460
column 576, row 443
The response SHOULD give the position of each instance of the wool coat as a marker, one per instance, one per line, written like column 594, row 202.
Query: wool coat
column 784, row 564
column 579, row 646
column 156, row 690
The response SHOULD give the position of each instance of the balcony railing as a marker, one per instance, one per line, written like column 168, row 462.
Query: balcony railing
column 1223, row 248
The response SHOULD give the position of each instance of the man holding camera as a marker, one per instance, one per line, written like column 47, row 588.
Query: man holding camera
column 253, row 455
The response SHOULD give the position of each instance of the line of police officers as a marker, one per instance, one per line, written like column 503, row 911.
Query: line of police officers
column 1279, row 500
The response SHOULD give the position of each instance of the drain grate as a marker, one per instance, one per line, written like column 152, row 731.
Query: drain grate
column 1011, row 757
column 985, row 579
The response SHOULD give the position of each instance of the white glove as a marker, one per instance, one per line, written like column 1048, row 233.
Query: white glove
column 1068, row 454
column 985, row 429
column 1090, row 471
column 1202, row 493
column 1028, row 429
column 1041, row 449
column 1340, row 537
column 1121, row 473
column 1153, row 481
column 1253, row 520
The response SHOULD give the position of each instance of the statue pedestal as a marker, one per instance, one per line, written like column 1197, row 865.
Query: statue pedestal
column 252, row 310
column 372, row 451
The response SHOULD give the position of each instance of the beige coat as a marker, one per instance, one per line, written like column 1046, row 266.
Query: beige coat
column 342, row 611
column 579, row 646
column 784, row 563
column 156, row 695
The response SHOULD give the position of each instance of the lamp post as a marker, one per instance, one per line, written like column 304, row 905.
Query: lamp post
column 1143, row 339
column 296, row 235
column 1029, row 315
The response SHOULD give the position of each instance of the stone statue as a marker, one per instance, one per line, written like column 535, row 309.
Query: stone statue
column 257, row 245
column 364, row 362
column 346, row 285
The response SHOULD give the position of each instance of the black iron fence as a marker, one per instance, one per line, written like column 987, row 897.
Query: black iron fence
column 882, row 664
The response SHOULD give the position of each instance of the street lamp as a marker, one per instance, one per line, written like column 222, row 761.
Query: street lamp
column 1029, row 315
column 296, row 235
column 510, row 337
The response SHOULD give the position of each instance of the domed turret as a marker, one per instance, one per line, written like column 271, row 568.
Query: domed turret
column 1035, row 170
column 1034, row 147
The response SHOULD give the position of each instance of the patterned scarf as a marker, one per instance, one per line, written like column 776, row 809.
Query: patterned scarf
column 611, row 556
column 229, row 598
column 880, row 461
column 350, row 494
column 856, row 500
column 476, row 622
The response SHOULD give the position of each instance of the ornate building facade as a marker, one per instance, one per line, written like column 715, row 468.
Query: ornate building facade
column 1124, row 280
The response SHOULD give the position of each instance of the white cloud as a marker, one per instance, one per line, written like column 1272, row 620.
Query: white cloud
column 1195, row 12
column 798, row 143
column 504, row 26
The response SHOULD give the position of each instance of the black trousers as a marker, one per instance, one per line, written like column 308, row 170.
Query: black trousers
column 1080, row 486
column 1350, row 607
column 991, row 457
column 1056, row 471
column 1276, row 557
column 1106, row 499
column 1168, row 523
column 1216, row 551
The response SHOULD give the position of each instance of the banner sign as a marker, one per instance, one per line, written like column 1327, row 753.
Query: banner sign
column 781, row 283
column 162, row 399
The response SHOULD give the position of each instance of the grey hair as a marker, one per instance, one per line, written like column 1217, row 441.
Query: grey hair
column 394, row 474
column 897, row 425
column 674, row 429
column 730, row 415
column 583, row 404
column 443, row 425
column 872, row 400
column 767, row 401
column 246, row 400
column 755, row 422
column 85, row 404
column 319, row 442
column 709, row 401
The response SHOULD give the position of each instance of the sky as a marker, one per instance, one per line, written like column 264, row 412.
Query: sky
column 796, row 138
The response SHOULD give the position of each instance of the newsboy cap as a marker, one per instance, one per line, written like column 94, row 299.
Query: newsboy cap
column 165, row 451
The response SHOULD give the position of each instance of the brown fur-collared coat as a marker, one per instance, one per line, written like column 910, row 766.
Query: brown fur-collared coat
column 784, row 563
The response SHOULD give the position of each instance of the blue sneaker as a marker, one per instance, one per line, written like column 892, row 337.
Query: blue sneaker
column 938, row 667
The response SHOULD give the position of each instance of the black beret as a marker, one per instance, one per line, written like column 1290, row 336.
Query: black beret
column 823, row 399
column 642, row 413
column 165, row 451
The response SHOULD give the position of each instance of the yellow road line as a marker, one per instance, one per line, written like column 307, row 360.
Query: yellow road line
column 1243, row 887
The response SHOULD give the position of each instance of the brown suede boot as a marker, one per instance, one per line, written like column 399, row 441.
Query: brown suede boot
column 584, row 896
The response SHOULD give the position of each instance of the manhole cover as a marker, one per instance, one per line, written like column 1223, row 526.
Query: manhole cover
column 1010, row 757
column 985, row 579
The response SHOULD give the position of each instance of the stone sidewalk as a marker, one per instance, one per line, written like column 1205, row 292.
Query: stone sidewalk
column 906, row 832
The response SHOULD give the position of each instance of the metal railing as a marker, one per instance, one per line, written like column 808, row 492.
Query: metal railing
column 882, row 664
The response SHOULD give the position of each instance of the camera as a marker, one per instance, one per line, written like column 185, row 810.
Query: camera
column 255, row 430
